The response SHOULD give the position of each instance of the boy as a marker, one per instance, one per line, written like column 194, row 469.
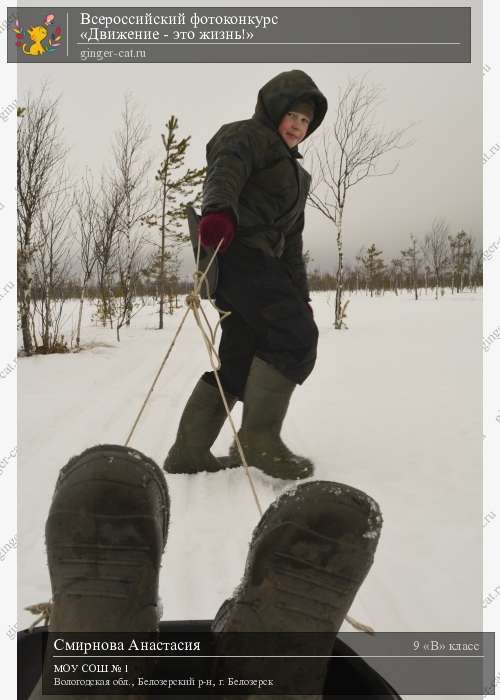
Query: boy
column 253, row 204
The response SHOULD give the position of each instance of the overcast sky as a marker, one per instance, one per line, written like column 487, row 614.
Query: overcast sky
column 439, row 175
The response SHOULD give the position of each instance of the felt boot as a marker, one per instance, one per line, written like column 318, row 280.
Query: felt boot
column 266, row 399
column 105, row 534
column 308, row 556
column 200, row 424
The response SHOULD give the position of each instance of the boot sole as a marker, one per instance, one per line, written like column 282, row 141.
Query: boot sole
column 308, row 557
column 105, row 535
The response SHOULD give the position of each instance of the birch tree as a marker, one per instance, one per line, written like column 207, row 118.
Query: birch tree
column 436, row 251
column 40, row 158
column 396, row 273
column 104, row 246
column 87, row 215
column 132, row 166
column 347, row 154
column 477, row 269
column 128, row 266
column 51, row 262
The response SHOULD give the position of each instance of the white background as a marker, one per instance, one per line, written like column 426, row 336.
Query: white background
column 491, row 430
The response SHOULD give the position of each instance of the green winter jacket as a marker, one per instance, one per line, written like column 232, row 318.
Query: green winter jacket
column 254, row 175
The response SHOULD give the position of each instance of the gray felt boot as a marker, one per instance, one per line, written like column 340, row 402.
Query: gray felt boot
column 105, row 534
column 308, row 556
column 266, row 400
column 200, row 424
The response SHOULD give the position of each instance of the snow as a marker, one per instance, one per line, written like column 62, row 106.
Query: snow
column 393, row 407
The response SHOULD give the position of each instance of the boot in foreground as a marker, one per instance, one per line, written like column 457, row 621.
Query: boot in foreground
column 200, row 424
column 266, row 400
column 307, row 559
column 105, row 534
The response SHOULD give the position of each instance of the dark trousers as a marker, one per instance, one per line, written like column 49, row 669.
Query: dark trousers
column 269, row 319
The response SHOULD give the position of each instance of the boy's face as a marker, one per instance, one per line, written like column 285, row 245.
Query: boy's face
column 293, row 128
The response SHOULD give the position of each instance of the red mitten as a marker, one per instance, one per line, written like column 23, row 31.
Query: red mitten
column 217, row 227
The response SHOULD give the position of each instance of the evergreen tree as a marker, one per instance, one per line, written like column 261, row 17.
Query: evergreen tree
column 461, row 258
column 176, row 193
column 374, row 267
column 412, row 262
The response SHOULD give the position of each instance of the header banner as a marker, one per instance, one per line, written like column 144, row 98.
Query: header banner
column 239, row 35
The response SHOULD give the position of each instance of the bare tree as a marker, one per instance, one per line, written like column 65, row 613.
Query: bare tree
column 87, row 211
column 476, row 269
column 128, row 265
column 396, row 273
column 436, row 250
column 104, row 246
column 137, row 202
column 352, row 155
column 359, row 268
column 427, row 271
column 51, row 260
column 40, row 156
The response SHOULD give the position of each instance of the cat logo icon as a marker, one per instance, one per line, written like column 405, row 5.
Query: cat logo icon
column 38, row 39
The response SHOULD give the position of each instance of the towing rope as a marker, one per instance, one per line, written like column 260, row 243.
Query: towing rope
column 209, row 336
column 44, row 610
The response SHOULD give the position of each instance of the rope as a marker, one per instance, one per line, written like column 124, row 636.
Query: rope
column 44, row 610
column 193, row 302
column 359, row 625
column 209, row 337
column 155, row 380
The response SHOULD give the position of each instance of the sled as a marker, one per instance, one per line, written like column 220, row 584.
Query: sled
column 351, row 677
column 208, row 287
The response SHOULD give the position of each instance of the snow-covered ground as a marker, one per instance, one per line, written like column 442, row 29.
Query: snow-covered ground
column 393, row 407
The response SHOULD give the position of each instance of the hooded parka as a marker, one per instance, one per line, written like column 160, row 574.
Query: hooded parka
column 253, row 175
